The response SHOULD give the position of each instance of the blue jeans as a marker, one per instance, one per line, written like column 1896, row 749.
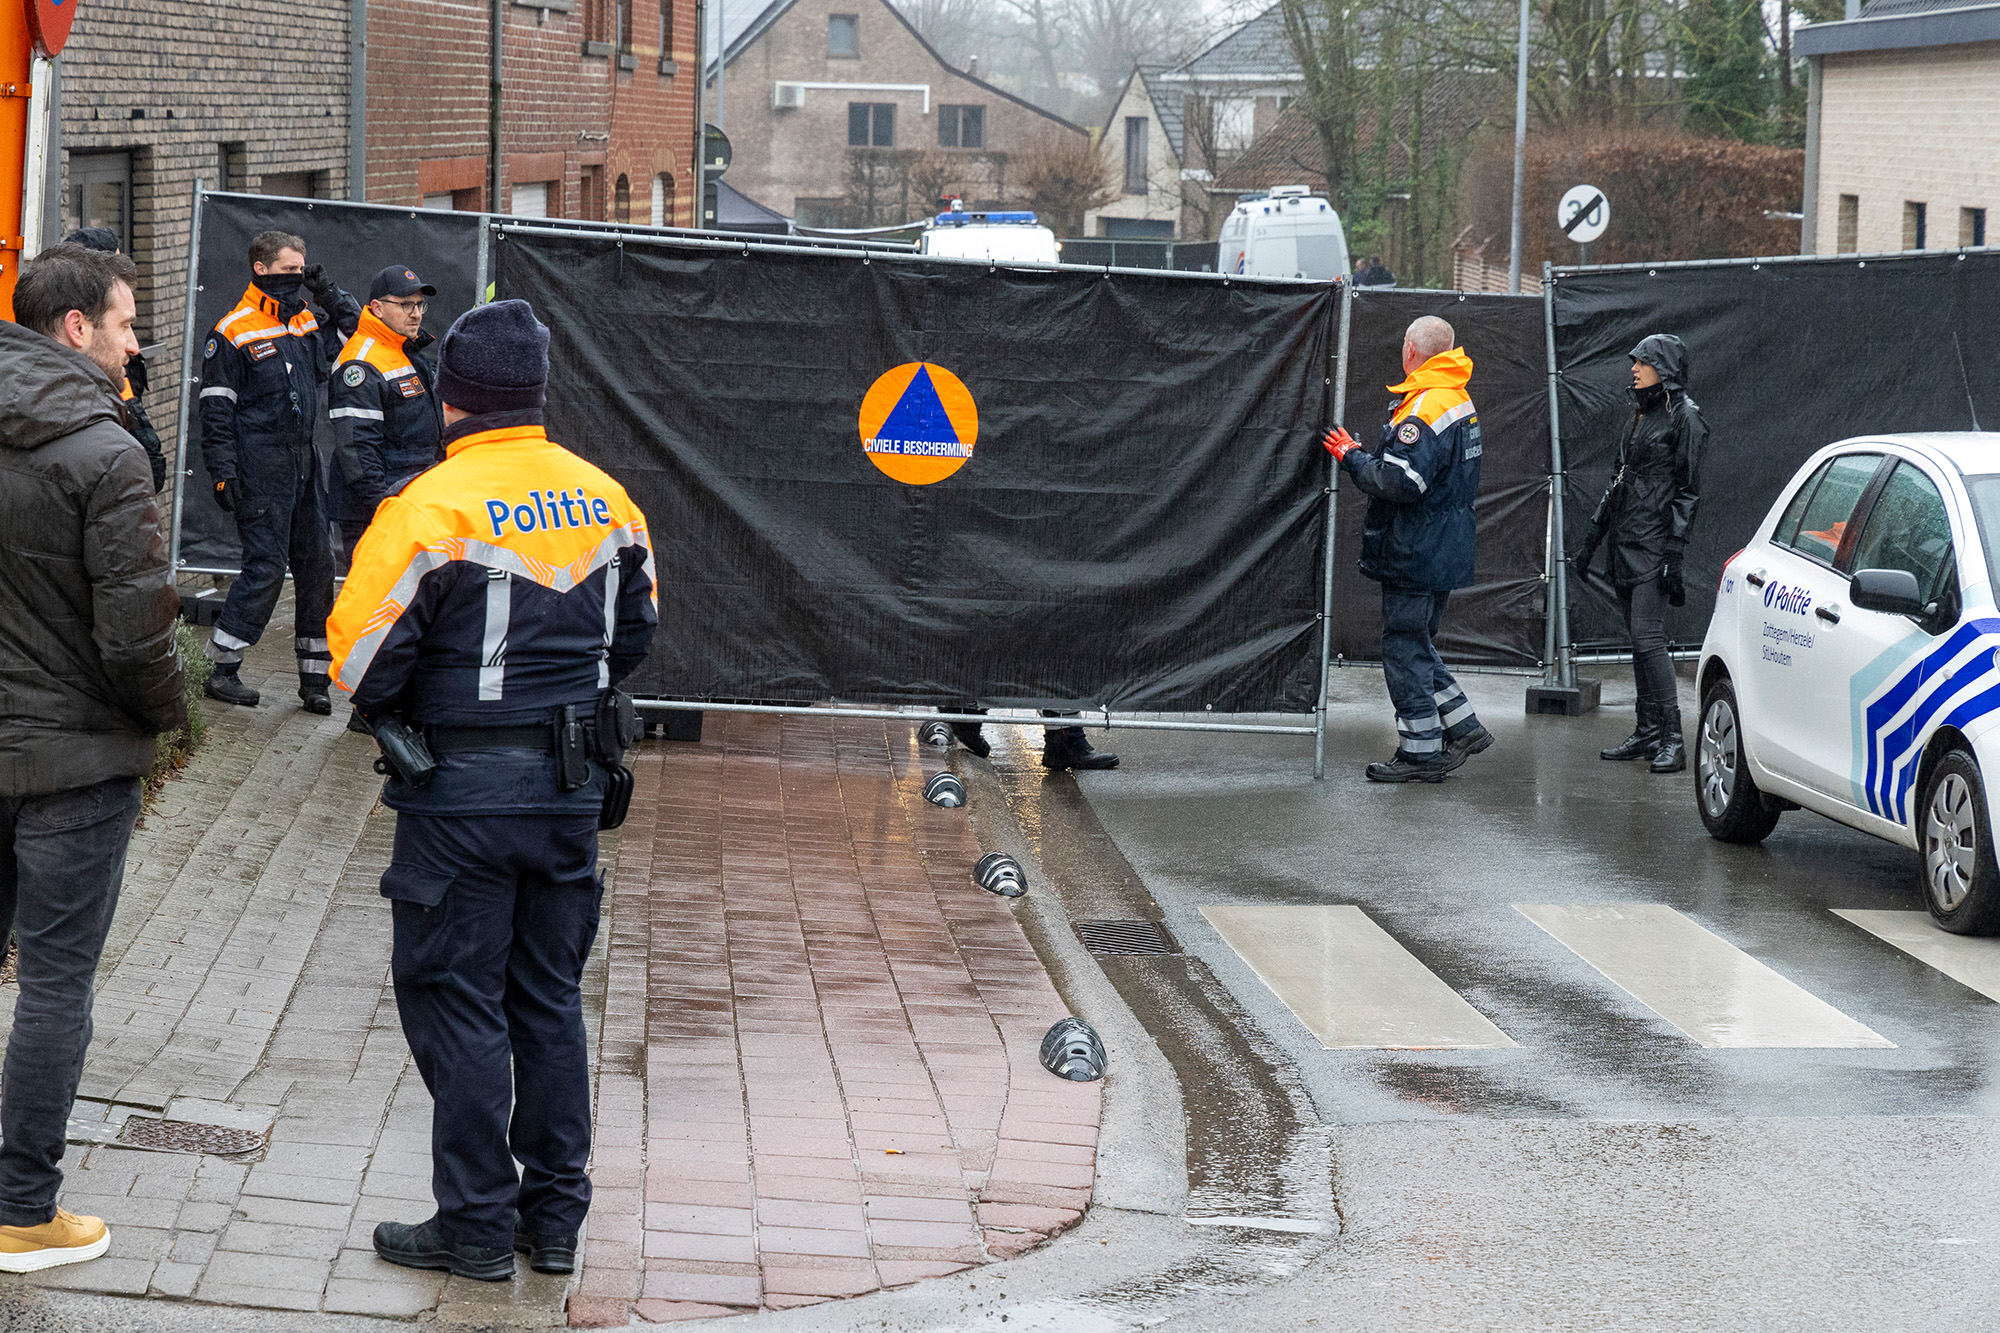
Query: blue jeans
column 1431, row 710
column 60, row 867
column 494, row 917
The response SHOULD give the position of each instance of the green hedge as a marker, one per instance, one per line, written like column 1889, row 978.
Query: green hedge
column 173, row 748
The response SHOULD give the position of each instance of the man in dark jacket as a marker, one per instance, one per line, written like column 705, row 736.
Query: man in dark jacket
column 89, row 675
column 261, row 373
column 1417, row 542
column 386, row 419
column 1646, row 514
column 133, row 391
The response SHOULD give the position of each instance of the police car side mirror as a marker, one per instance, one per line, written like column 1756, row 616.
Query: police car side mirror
column 1892, row 590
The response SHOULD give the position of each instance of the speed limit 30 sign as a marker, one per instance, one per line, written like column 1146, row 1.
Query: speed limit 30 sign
column 1583, row 214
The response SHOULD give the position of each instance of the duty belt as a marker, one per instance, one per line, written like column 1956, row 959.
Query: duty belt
column 539, row 737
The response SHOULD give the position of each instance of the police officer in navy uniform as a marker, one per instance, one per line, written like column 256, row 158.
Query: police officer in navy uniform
column 492, row 606
column 261, row 373
column 1417, row 542
column 386, row 420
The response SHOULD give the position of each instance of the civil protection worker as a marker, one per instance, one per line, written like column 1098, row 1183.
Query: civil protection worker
column 1645, row 515
column 386, row 420
column 492, row 606
column 261, row 373
column 1417, row 542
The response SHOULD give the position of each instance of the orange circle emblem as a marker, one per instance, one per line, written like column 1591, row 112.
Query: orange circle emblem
column 919, row 423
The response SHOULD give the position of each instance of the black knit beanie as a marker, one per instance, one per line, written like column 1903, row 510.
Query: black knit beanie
column 494, row 359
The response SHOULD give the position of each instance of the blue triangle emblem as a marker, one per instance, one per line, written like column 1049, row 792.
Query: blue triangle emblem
column 917, row 424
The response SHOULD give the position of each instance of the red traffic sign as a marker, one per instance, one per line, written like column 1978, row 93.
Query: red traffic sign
column 49, row 22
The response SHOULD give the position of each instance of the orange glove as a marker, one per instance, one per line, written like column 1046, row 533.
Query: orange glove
column 1338, row 442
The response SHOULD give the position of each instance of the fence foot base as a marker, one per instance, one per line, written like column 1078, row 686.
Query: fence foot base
column 681, row 724
column 1565, row 701
column 202, row 608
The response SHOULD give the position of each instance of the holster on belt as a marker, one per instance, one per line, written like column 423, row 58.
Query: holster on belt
column 617, row 729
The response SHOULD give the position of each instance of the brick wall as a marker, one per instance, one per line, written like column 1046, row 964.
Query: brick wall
column 171, row 82
column 1920, row 125
column 782, row 156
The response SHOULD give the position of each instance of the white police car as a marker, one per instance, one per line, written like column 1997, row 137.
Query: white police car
column 1850, row 667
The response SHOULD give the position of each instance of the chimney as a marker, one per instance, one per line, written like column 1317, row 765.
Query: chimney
column 1853, row 9
column 972, row 62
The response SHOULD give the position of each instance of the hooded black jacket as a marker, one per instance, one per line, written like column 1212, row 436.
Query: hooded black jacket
column 89, row 672
column 1648, row 509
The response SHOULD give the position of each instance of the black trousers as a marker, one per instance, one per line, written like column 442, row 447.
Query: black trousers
column 1645, row 608
column 494, row 916
column 279, row 530
column 1431, row 709
column 62, row 858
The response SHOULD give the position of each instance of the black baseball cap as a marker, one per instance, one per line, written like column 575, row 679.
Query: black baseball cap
column 396, row 280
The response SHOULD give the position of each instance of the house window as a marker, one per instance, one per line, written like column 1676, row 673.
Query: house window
column 1135, row 155
column 663, row 200
column 843, row 35
column 1971, row 226
column 1913, row 225
column 961, row 127
column 666, row 29
column 1847, row 236
column 621, row 193
column 532, row 199
column 871, row 124
column 100, row 193
column 591, row 206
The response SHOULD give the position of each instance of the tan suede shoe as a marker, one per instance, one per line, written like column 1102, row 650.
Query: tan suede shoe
column 67, row 1239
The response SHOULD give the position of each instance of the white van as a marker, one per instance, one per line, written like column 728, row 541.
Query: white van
column 999, row 238
column 1289, row 233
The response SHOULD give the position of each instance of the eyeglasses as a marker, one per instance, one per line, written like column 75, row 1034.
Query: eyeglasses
column 419, row 307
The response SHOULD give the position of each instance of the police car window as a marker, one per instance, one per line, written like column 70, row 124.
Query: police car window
column 1908, row 529
column 1985, row 494
column 1824, row 520
column 1788, row 525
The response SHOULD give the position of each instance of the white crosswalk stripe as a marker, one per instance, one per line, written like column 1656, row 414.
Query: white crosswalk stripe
column 1707, row 987
column 1349, row 982
column 1971, row 962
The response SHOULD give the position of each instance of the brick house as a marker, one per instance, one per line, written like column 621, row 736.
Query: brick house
column 596, row 119
column 840, row 114
column 156, row 93
column 1902, row 127
column 1143, row 144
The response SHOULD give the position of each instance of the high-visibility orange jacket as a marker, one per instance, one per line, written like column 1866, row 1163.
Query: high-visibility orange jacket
column 506, row 582
column 1421, row 480
column 386, row 418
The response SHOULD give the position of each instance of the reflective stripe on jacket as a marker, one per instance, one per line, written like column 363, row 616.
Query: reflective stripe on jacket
column 506, row 582
column 1421, row 481
column 260, row 375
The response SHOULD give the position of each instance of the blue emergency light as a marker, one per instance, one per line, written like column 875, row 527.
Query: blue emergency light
column 957, row 219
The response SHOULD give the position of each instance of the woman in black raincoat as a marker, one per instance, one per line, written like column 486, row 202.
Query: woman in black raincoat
column 1644, row 518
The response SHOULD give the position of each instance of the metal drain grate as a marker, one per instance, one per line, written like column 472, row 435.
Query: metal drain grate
column 189, row 1137
column 1116, row 937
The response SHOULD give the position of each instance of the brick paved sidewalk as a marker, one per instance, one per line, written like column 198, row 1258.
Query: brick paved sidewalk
column 820, row 1071
column 817, row 1072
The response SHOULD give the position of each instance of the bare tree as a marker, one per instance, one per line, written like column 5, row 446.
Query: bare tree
column 1062, row 176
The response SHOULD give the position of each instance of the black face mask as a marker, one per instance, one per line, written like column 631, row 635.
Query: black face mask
column 284, row 287
column 1650, row 397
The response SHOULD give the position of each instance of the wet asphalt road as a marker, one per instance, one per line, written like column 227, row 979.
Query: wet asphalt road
column 1607, row 1172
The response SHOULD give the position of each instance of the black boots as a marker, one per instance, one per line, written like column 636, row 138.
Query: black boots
column 546, row 1254
column 1476, row 741
column 313, row 693
column 1671, row 757
column 1644, row 740
column 1402, row 768
column 972, row 738
column 424, row 1246
column 1065, row 747
column 227, row 686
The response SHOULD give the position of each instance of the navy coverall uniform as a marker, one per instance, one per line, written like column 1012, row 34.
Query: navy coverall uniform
column 261, row 373
column 506, row 582
column 1417, row 542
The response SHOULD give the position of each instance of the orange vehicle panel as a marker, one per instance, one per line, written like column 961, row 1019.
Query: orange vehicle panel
column 16, row 55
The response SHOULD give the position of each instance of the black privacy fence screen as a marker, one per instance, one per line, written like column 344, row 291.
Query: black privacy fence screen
column 888, row 480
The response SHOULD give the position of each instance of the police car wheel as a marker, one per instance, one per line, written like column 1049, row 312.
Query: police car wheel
column 1961, row 883
column 1732, row 809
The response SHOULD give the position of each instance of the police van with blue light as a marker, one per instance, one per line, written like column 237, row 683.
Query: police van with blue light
column 998, row 238
column 1852, row 666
